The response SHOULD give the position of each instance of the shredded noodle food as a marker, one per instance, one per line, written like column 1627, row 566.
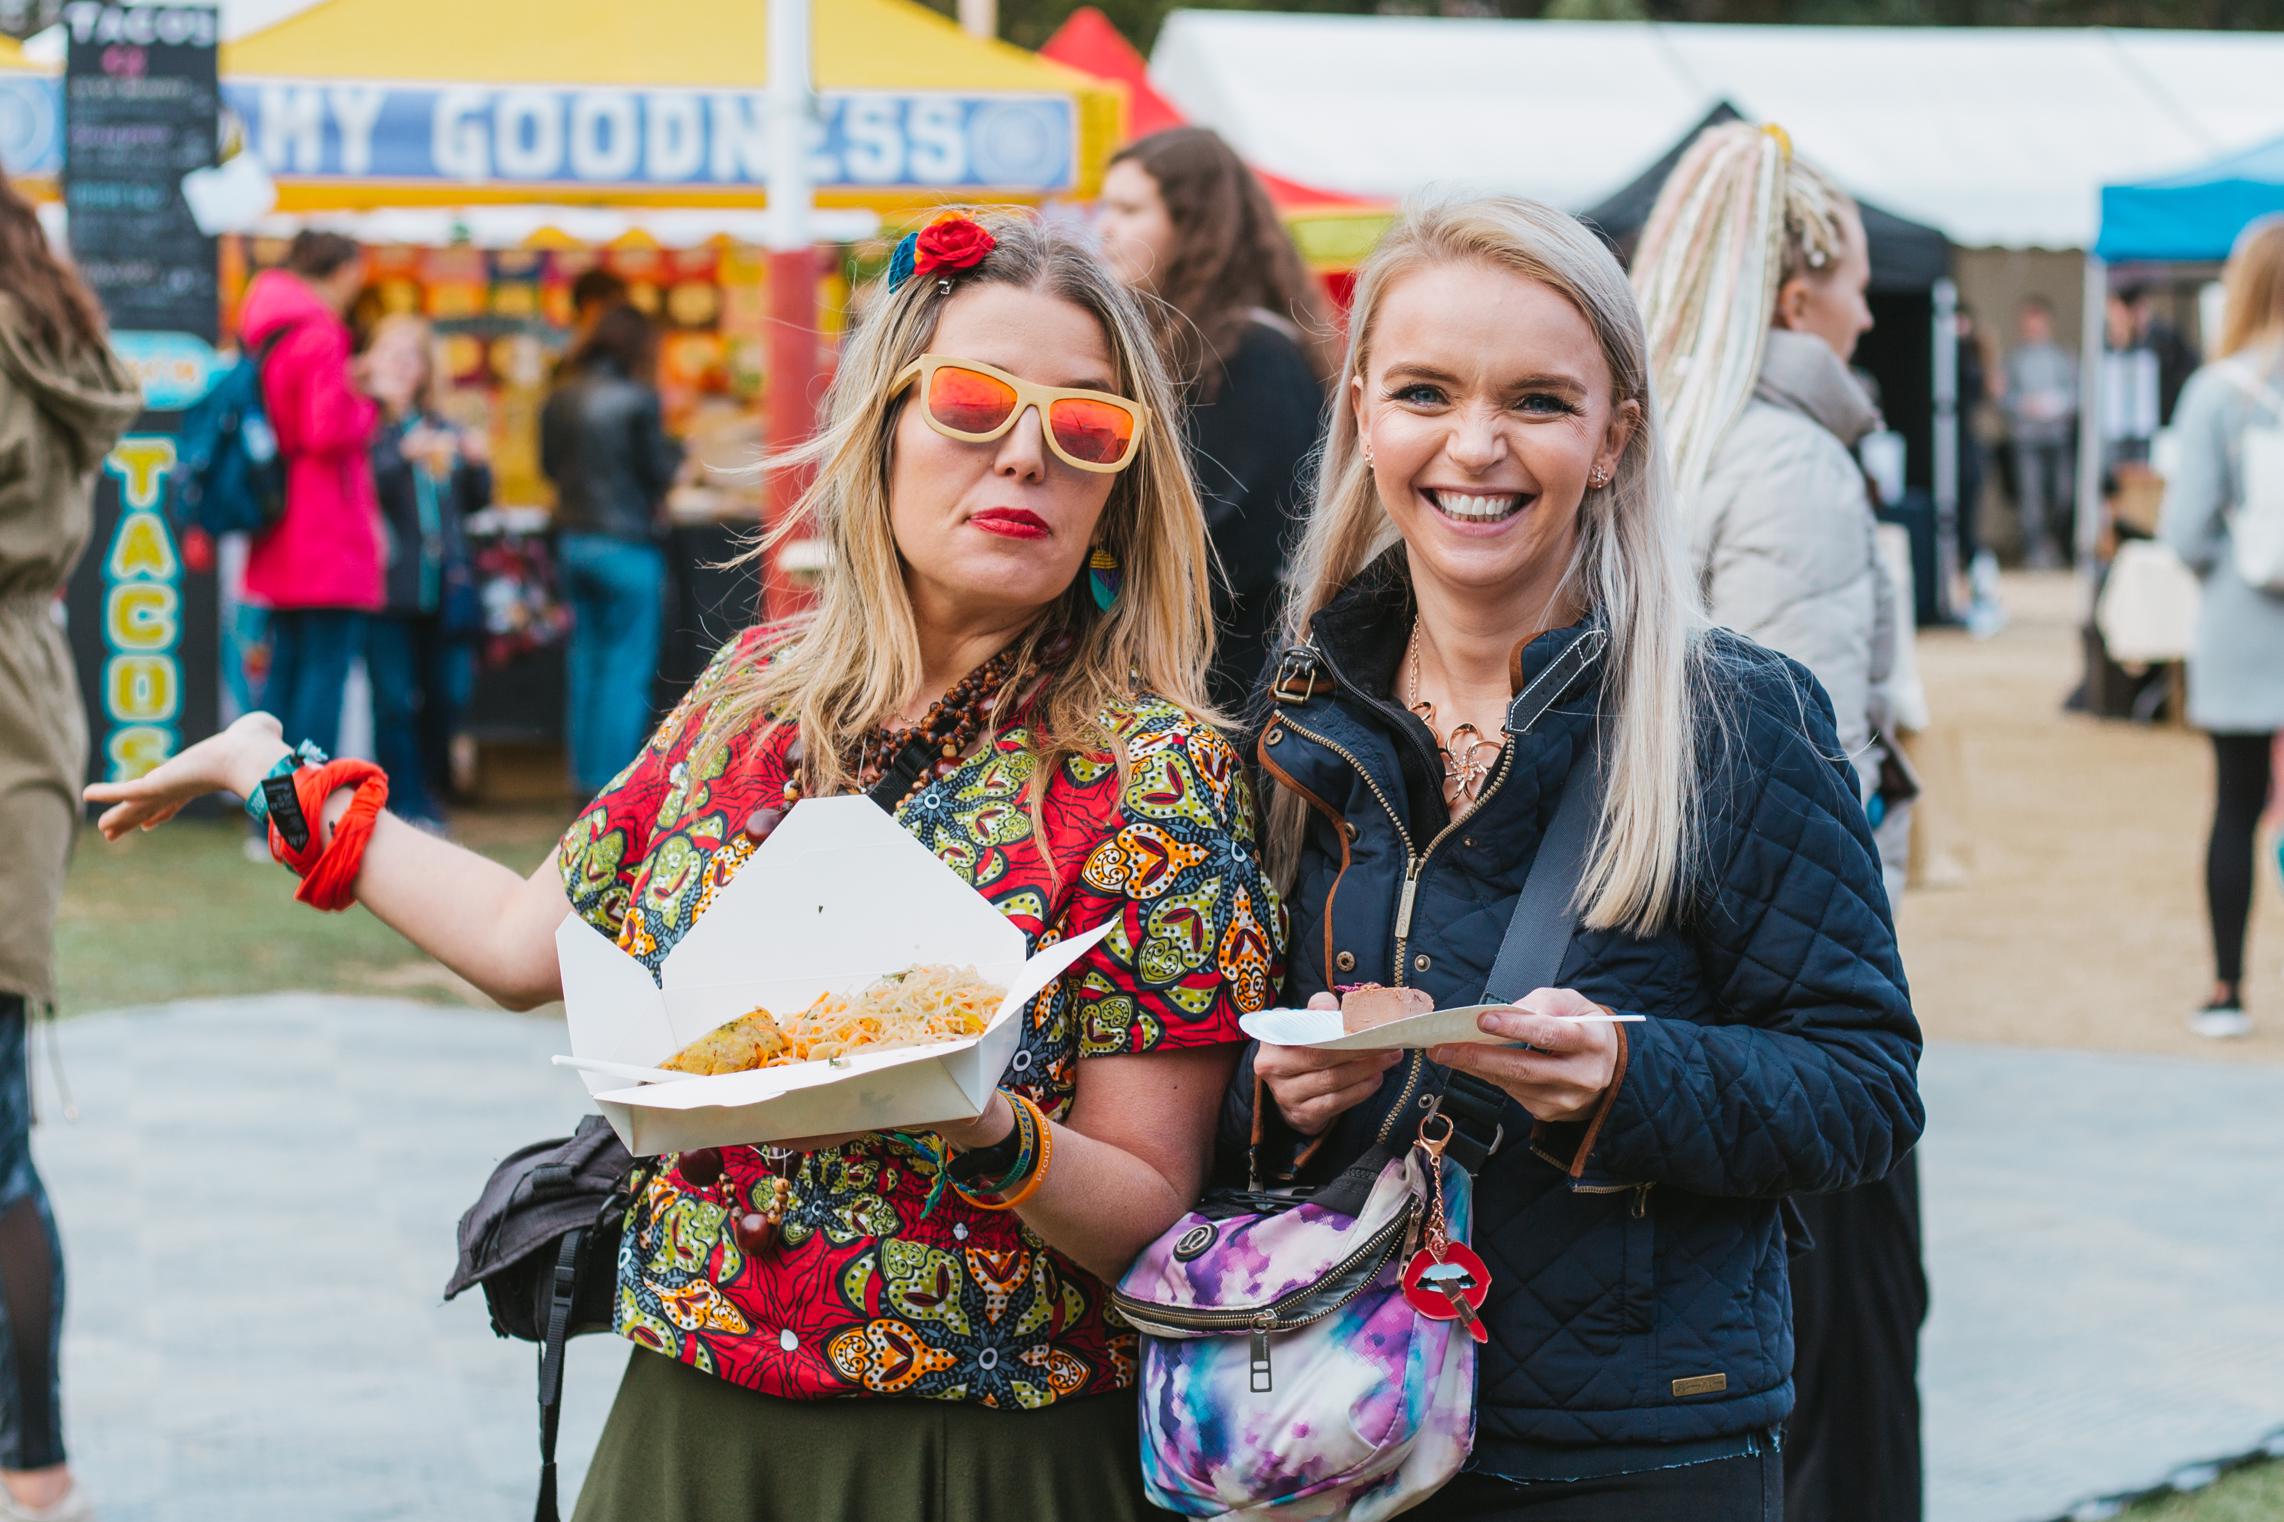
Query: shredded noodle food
column 917, row 1007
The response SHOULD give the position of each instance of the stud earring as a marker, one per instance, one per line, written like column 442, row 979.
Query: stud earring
column 1599, row 479
column 1367, row 454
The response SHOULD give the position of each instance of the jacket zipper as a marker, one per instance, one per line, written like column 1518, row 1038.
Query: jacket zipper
column 1416, row 1064
column 1413, row 1063
column 1415, row 862
column 1349, row 756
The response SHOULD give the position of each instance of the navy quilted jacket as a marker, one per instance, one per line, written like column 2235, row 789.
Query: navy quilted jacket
column 1639, row 1291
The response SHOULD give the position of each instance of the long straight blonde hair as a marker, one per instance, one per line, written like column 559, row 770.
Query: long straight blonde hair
column 1738, row 217
column 854, row 660
column 1629, row 566
column 2252, row 288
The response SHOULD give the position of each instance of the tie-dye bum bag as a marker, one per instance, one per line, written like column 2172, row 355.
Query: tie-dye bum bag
column 1285, row 1372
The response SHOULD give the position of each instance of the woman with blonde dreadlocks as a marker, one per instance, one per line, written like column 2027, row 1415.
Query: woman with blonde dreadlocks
column 1752, row 274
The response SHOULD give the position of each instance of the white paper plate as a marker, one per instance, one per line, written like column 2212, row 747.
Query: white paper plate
column 1320, row 1028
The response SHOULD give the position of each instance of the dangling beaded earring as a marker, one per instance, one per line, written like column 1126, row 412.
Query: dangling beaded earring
column 1103, row 577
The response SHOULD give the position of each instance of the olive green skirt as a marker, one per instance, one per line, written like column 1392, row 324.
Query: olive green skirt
column 684, row 1446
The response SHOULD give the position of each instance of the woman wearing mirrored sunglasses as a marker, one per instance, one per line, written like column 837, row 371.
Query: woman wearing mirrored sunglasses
column 1016, row 592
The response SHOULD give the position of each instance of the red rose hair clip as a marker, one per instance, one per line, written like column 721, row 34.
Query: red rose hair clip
column 946, row 246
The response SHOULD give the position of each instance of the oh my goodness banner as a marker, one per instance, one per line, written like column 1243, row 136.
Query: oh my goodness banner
column 593, row 137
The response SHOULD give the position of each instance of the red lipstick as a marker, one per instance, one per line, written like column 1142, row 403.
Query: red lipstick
column 1011, row 522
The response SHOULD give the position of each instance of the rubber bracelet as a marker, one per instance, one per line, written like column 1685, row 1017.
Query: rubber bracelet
column 1038, row 1174
column 988, row 1170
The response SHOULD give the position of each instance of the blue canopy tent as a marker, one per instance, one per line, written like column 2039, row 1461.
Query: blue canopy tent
column 2192, row 217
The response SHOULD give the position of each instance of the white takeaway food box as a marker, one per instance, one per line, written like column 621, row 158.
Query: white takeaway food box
column 838, row 896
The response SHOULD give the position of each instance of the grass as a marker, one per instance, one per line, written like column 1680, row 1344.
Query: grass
column 2251, row 1494
column 181, row 913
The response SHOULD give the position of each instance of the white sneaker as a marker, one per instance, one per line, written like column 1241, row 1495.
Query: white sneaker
column 73, row 1506
column 2218, row 1022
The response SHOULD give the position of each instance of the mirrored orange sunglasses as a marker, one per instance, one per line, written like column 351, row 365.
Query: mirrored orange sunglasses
column 969, row 400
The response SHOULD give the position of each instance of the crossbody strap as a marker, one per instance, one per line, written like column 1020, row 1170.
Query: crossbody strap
column 562, row 1299
column 902, row 774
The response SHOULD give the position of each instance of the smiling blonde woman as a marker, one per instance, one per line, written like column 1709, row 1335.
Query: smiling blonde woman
column 1491, row 606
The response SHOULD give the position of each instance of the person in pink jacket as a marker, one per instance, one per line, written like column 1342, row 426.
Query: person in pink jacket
column 319, row 570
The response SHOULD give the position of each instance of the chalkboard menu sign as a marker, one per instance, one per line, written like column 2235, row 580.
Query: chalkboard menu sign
column 141, row 104
column 140, row 112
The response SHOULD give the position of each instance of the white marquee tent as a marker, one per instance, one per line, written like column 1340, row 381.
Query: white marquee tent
column 2000, row 137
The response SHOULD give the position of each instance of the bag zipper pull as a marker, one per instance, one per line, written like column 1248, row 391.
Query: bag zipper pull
column 1262, row 1325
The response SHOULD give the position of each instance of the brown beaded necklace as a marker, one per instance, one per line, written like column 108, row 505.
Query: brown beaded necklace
column 950, row 727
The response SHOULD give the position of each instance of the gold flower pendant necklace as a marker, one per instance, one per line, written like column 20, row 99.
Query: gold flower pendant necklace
column 1467, row 753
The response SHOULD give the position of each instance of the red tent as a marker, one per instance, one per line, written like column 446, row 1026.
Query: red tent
column 1333, row 231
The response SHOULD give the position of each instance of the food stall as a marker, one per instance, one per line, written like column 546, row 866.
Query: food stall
column 488, row 154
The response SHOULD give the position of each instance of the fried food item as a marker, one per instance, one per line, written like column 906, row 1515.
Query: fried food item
column 749, row 1041
column 916, row 1007
column 1370, row 1004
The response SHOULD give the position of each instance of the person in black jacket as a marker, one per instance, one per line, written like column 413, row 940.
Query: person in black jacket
column 603, row 442
column 1246, row 334
column 430, row 475
column 1490, row 596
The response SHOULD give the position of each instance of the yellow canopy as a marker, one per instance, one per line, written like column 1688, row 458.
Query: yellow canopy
column 895, row 47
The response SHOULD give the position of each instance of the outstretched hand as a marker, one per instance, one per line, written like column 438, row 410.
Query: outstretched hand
column 233, row 761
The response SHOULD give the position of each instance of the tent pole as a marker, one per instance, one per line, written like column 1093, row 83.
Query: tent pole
column 2094, row 322
column 789, row 411
column 1948, row 423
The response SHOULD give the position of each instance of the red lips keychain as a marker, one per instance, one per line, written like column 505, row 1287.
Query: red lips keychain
column 1445, row 1280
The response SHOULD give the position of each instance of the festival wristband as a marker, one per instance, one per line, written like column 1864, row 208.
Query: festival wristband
column 258, row 801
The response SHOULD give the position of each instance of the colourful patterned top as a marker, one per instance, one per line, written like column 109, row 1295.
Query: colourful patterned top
column 866, row 1291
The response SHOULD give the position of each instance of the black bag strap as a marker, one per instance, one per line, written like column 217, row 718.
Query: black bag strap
column 903, row 774
column 1530, row 955
column 562, row 1297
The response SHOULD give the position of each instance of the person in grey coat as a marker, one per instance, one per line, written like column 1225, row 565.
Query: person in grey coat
column 2236, row 665
column 1752, row 274
column 2042, row 423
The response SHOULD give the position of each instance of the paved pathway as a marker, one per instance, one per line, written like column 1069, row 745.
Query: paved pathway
column 259, row 1200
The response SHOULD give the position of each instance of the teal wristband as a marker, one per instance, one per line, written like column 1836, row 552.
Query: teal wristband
column 304, row 754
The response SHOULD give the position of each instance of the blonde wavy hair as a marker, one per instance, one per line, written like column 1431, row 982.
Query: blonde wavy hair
column 853, row 660
column 1739, row 216
column 1629, row 567
column 2252, row 288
